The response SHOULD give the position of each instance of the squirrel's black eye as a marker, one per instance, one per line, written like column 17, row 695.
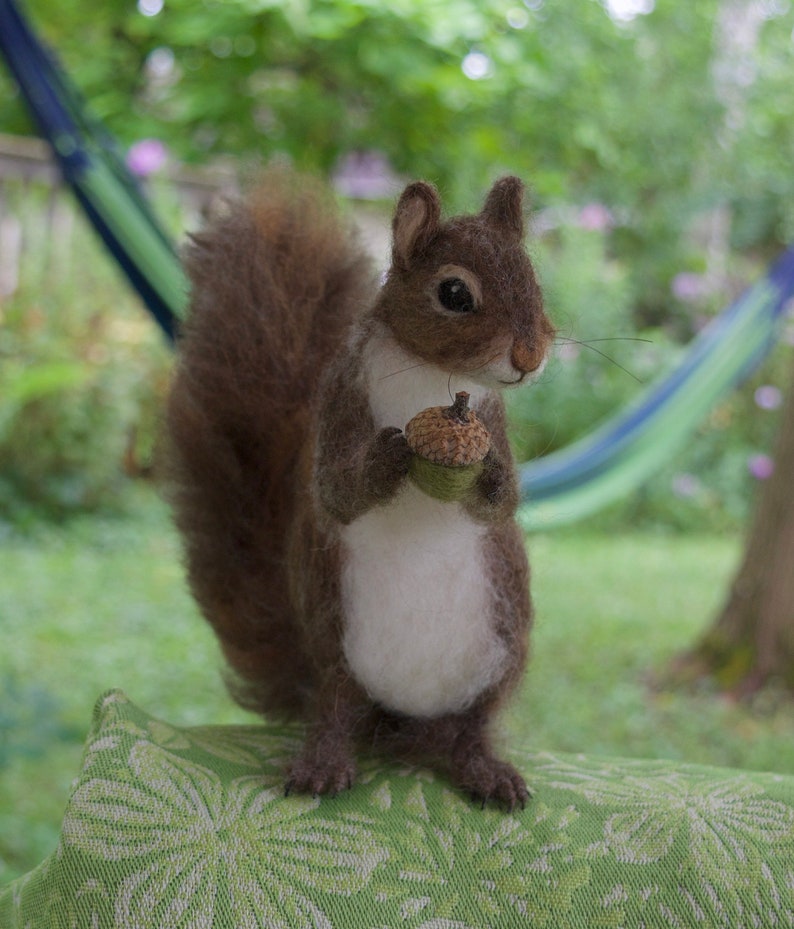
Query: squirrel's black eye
column 455, row 295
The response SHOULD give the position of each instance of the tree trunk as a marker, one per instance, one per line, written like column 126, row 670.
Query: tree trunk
column 752, row 640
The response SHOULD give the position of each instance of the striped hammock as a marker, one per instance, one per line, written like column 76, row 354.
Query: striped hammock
column 92, row 166
column 562, row 487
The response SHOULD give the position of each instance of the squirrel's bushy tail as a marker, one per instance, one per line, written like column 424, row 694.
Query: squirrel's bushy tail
column 275, row 285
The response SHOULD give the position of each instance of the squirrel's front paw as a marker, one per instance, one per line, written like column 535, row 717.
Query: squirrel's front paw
column 387, row 463
column 494, row 494
column 493, row 479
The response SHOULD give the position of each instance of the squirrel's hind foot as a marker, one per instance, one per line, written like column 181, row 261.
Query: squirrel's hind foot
column 326, row 766
column 487, row 779
column 321, row 776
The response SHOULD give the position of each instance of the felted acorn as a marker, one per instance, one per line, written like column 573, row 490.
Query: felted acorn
column 449, row 445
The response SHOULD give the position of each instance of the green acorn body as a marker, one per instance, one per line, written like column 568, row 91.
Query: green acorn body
column 449, row 445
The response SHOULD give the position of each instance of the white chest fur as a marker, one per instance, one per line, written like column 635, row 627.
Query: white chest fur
column 418, row 630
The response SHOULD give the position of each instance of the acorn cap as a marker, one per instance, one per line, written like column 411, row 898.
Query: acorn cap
column 452, row 436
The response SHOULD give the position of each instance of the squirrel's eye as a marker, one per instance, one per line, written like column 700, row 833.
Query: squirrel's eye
column 455, row 295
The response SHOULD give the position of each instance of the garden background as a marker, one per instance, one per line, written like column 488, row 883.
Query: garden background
column 657, row 141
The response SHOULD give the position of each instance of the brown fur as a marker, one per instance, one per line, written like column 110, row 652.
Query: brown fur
column 275, row 287
column 271, row 448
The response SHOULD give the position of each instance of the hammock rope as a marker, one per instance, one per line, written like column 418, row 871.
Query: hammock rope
column 559, row 488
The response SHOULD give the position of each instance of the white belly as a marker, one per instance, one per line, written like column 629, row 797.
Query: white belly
column 418, row 633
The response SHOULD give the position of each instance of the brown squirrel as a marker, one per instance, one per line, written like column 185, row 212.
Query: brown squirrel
column 342, row 595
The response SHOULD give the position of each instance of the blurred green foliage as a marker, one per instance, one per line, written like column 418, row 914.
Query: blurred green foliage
column 82, row 375
column 664, row 117
column 658, row 150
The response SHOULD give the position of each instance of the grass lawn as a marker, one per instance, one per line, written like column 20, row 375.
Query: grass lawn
column 103, row 605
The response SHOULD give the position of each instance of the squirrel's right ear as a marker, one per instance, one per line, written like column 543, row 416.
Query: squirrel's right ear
column 416, row 220
column 503, row 206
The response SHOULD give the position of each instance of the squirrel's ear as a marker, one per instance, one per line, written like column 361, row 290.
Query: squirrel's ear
column 416, row 219
column 504, row 206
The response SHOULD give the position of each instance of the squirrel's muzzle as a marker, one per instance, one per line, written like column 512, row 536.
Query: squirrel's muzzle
column 527, row 358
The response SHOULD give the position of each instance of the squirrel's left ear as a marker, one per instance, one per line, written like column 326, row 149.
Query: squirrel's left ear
column 504, row 206
column 416, row 220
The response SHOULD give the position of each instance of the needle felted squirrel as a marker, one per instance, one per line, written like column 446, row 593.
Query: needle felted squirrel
column 342, row 594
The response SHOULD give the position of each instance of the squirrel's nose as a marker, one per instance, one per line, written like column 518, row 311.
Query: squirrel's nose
column 523, row 358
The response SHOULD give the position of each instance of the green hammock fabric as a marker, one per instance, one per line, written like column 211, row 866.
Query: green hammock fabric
column 169, row 827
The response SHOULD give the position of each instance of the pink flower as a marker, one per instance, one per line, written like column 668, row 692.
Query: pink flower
column 761, row 466
column 768, row 397
column 146, row 157
column 686, row 485
column 595, row 217
column 687, row 286
column 365, row 175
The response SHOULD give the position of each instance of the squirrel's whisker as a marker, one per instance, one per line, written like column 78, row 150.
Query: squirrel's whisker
column 588, row 343
column 421, row 364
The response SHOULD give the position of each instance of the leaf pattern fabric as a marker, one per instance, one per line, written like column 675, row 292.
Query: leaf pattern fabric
column 190, row 828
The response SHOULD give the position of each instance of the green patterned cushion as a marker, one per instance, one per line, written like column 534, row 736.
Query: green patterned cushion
column 171, row 827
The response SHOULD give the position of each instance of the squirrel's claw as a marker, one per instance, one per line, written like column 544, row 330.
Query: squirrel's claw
column 489, row 779
column 320, row 777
